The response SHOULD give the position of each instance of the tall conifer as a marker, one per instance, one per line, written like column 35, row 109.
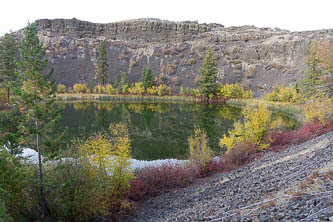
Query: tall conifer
column 35, row 101
column 8, row 52
column 147, row 78
column 103, row 67
column 208, row 75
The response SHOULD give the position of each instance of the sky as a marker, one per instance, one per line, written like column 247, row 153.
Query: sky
column 293, row 15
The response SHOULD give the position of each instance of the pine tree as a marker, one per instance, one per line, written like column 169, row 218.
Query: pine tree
column 35, row 100
column 124, row 80
column 103, row 67
column 318, row 81
column 325, row 54
column 8, row 52
column 147, row 78
column 208, row 75
column 116, row 82
column 309, row 85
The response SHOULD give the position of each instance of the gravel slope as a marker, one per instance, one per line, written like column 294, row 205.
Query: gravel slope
column 278, row 187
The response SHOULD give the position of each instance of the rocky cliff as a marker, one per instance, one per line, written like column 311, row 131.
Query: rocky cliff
column 259, row 58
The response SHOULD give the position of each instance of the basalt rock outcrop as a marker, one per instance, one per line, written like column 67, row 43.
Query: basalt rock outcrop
column 258, row 58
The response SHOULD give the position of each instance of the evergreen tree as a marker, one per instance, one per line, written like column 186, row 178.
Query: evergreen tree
column 147, row 78
column 208, row 75
column 318, row 81
column 325, row 54
column 124, row 80
column 103, row 67
column 309, row 85
column 116, row 82
column 8, row 52
column 35, row 100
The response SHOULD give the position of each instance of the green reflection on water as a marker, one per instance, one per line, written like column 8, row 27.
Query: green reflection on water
column 157, row 130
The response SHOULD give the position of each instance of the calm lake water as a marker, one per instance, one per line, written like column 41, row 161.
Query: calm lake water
column 156, row 130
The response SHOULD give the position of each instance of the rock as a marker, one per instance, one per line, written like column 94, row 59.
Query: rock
column 73, row 48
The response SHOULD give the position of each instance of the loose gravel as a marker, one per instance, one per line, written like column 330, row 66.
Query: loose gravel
column 291, row 185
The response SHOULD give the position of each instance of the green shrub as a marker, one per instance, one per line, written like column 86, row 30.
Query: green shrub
column 190, row 62
column 98, row 172
column 61, row 88
column 3, row 95
column 196, row 92
column 78, row 184
column 18, row 189
column 4, row 217
column 182, row 91
column 187, row 91
column 132, row 63
column 236, row 61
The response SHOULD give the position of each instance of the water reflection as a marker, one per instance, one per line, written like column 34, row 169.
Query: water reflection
column 157, row 130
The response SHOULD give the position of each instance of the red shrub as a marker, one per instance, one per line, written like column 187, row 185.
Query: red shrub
column 241, row 154
column 307, row 131
column 156, row 180
column 211, row 167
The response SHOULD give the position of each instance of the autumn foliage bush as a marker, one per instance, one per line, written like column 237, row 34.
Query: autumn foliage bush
column 200, row 152
column 80, row 88
column 106, row 89
column 254, row 129
column 61, row 88
column 157, row 180
column 282, row 94
column 234, row 91
column 240, row 155
column 319, row 110
column 281, row 139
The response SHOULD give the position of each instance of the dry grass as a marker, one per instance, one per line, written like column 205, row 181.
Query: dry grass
column 291, row 110
column 299, row 194
column 330, row 174
column 269, row 204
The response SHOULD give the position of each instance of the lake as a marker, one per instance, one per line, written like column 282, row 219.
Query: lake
column 156, row 130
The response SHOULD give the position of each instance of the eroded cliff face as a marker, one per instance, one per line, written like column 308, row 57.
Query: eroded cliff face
column 258, row 58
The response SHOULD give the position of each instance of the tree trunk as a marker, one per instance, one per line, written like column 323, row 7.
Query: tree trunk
column 8, row 95
column 43, row 203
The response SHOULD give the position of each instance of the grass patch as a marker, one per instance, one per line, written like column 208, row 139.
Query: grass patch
column 119, row 97
column 291, row 110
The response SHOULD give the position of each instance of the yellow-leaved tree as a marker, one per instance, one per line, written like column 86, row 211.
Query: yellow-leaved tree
column 319, row 110
column 200, row 153
column 254, row 129
column 112, row 157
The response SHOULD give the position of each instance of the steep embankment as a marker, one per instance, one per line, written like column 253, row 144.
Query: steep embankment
column 259, row 58
column 281, row 186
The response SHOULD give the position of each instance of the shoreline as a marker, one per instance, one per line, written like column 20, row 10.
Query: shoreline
column 264, row 189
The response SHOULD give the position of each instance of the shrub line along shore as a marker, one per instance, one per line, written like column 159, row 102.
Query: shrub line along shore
column 294, row 111
column 103, row 97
